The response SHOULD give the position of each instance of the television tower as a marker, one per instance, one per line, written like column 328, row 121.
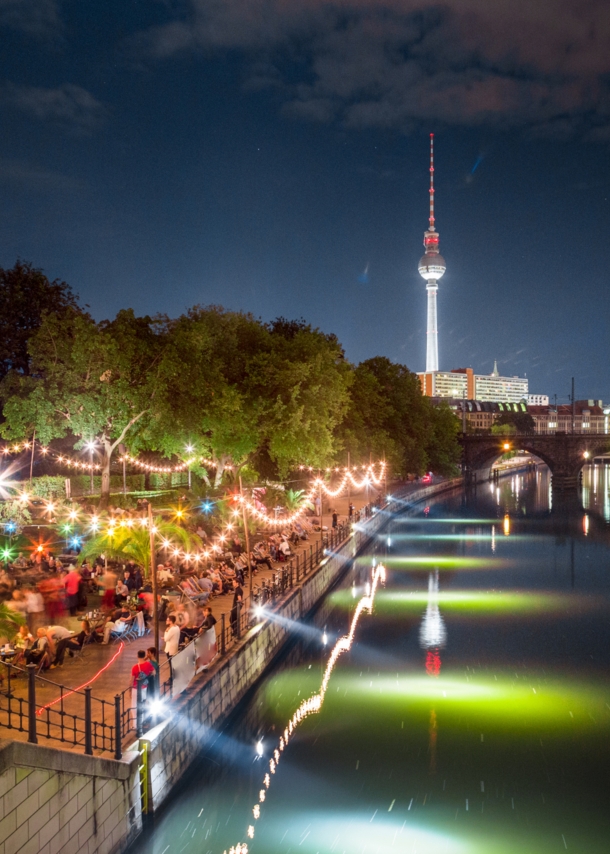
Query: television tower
column 431, row 268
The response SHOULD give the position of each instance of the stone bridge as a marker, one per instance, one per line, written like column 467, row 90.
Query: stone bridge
column 564, row 453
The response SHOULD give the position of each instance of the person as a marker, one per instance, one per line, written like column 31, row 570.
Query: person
column 55, row 634
column 350, row 511
column 141, row 672
column 171, row 636
column 165, row 576
column 18, row 603
column 335, row 519
column 118, row 622
column 23, row 641
column 205, row 583
column 72, row 644
column 153, row 681
column 38, row 652
column 72, row 582
column 238, row 598
column 206, row 645
column 34, row 608
column 108, row 584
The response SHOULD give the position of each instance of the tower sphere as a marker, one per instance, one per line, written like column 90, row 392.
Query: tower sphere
column 431, row 266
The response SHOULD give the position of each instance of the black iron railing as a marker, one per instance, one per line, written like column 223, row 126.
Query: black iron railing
column 70, row 716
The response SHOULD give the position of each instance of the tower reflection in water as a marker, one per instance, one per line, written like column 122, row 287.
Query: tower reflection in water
column 432, row 638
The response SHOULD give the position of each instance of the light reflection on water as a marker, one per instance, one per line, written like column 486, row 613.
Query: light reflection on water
column 485, row 732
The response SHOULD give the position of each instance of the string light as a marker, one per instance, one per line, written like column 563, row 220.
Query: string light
column 313, row 704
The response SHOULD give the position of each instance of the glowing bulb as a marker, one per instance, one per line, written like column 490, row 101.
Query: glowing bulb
column 259, row 747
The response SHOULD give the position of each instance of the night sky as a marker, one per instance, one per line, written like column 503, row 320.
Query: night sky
column 271, row 156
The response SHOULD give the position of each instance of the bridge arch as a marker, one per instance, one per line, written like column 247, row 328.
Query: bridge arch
column 564, row 454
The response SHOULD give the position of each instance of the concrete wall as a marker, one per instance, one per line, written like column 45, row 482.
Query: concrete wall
column 55, row 801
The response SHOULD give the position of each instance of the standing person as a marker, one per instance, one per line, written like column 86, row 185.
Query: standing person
column 350, row 511
column 335, row 519
column 318, row 505
column 72, row 582
column 34, row 608
column 238, row 598
column 55, row 634
column 108, row 585
column 141, row 673
column 153, row 681
column 171, row 637
column 206, row 645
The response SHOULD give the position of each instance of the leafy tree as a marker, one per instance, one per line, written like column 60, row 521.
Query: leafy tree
column 390, row 418
column 26, row 295
column 522, row 422
column 245, row 393
column 296, row 499
column 97, row 382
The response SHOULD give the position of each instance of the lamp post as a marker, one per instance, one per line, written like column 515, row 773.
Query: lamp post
column 32, row 456
column 247, row 538
column 153, row 575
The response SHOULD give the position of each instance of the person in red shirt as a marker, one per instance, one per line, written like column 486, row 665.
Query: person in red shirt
column 144, row 668
column 71, row 584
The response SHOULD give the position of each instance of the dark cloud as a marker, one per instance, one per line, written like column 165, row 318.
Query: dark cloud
column 27, row 176
column 38, row 18
column 71, row 106
column 543, row 64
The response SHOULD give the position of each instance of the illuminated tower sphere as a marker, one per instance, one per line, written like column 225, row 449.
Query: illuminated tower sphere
column 431, row 268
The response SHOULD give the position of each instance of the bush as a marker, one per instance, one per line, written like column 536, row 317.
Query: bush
column 49, row 486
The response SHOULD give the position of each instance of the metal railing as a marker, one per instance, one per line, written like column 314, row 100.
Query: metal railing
column 73, row 716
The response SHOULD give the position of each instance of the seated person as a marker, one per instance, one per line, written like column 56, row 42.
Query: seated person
column 23, row 641
column 72, row 644
column 117, row 625
column 165, row 576
column 38, row 653
column 285, row 550
column 205, row 583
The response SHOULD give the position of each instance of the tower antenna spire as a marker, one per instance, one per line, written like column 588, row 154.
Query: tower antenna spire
column 431, row 268
column 431, row 182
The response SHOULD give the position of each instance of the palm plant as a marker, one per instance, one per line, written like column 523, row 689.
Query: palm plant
column 296, row 499
column 125, row 541
column 9, row 621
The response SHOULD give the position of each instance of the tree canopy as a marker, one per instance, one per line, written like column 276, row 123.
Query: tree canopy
column 223, row 385
column 26, row 295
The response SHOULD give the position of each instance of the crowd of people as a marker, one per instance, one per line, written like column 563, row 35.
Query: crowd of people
column 115, row 601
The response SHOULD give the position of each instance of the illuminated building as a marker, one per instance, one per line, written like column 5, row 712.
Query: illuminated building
column 464, row 383
column 431, row 268
column 537, row 400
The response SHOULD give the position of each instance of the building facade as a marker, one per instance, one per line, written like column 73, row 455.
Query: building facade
column 537, row 400
column 588, row 416
column 464, row 383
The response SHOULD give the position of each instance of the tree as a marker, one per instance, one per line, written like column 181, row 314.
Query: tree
column 389, row 418
column 522, row 422
column 96, row 382
column 245, row 393
column 26, row 295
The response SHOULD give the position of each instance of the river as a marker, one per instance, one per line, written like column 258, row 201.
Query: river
column 470, row 714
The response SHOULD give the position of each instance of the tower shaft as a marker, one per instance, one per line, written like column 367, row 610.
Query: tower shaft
column 431, row 329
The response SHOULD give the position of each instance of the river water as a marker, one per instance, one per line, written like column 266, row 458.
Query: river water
column 470, row 714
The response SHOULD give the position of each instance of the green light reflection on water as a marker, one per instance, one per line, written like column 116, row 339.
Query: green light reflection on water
column 438, row 562
column 483, row 601
column 488, row 700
